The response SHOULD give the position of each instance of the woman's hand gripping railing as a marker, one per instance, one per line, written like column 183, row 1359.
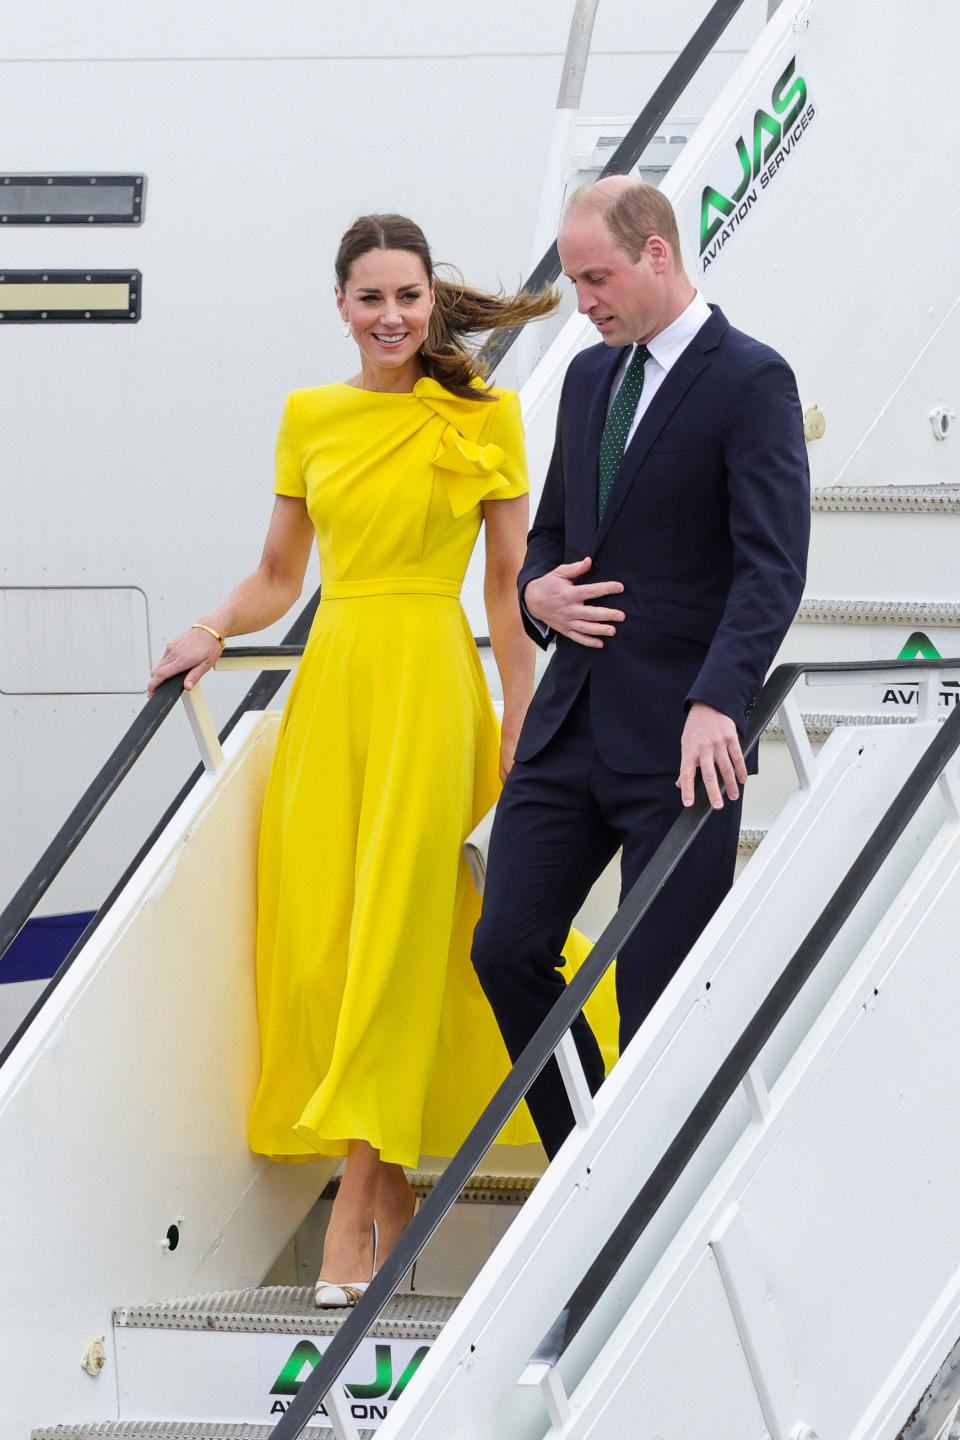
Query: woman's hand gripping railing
column 553, row 1036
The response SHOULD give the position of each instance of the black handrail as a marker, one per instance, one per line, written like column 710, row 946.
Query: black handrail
column 542, row 1046
column 20, row 907
column 747, row 1048
column 628, row 152
column 25, row 900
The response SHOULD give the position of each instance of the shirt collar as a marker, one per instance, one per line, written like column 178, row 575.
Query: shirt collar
column 667, row 347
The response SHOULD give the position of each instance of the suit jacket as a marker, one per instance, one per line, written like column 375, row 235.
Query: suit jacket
column 707, row 526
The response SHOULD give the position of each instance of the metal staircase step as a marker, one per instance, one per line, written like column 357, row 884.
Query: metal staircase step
column 839, row 611
column 170, row 1430
column 481, row 1190
column 455, row 1254
column 819, row 726
column 899, row 499
column 239, row 1356
column 880, row 498
column 285, row 1309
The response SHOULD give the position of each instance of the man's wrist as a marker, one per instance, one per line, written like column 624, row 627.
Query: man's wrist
column 535, row 621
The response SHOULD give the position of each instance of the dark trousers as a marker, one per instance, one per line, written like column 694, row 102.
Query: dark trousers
column 561, row 818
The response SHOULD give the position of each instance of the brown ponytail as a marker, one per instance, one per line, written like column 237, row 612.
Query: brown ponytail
column 459, row 310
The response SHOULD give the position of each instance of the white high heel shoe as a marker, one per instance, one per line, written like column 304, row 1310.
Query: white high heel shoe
column 329, row 1296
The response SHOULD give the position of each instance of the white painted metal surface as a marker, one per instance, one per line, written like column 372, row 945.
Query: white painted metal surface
column 195, row 1376
column 705, row 1313
column 241, row 1355
column 843, row 1203
column 44, row 639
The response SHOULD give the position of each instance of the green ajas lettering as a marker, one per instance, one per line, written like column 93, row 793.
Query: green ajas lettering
column 787, row 98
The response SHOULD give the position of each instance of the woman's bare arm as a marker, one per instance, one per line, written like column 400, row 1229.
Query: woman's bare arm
column 506, row 525
column 260, row 599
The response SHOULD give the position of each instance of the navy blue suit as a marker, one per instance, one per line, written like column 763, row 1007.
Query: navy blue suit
column 707, row 527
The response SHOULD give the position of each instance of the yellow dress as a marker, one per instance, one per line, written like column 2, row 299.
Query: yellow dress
column 373, row 1025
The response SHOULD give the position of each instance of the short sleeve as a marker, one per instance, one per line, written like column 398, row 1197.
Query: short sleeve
column 505, row 428
column 289, row 476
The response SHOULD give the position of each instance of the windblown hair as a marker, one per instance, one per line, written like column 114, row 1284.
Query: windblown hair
column 460, row 310
column 633, row 211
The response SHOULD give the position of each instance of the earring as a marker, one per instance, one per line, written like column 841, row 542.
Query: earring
column 346, row 330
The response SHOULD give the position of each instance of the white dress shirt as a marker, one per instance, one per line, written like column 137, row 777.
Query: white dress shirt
column 665, row 350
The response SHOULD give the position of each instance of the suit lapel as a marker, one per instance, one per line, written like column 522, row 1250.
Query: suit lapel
column 694, row 360
column 585, row 493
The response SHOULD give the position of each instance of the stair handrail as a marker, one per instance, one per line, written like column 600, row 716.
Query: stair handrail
column 319, row 1386
column 746, row 1049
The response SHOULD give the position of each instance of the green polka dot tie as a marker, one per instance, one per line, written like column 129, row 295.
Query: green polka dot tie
column 613, row 442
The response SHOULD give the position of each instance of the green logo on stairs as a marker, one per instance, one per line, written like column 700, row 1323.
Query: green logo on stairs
column 919, row 647
column 305, row 1356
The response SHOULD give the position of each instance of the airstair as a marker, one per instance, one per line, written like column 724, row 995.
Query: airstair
column 750, row 1233
column 759, row 1183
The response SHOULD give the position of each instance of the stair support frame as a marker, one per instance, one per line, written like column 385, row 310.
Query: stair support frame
column 575, row 1081
column 755, row 1323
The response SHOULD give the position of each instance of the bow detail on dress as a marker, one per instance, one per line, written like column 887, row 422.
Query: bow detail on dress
column 469, row 471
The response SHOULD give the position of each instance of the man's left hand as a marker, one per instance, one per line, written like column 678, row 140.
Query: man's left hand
column 710, row 744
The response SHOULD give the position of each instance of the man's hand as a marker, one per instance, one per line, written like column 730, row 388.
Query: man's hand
column 555, row 599
column 710, row 743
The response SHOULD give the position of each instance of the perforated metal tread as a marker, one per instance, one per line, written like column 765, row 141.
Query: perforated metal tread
column 278, row 1309
column 482, row 1190
column 931, row 499
column 171, row 1430
column 818, row 727
column 878, row 612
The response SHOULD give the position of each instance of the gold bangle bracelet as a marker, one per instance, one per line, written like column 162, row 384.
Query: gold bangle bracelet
column 210, row 631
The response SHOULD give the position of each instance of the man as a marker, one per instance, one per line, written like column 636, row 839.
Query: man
column 667, row 560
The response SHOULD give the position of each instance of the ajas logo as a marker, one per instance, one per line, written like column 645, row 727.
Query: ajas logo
column 385, row 1386
column 919, row 646
column 760, row 151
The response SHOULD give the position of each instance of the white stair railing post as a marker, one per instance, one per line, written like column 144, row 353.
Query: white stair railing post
column 798, row 741
column 755, row 1323
column 548, row 1381
column 758, row 1096
column 928, row 697
column 204, row 730
column 337, row 1405
column 949, row 784
column 574, row 1080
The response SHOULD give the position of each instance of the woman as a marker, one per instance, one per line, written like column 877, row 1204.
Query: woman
column 377, row 1043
